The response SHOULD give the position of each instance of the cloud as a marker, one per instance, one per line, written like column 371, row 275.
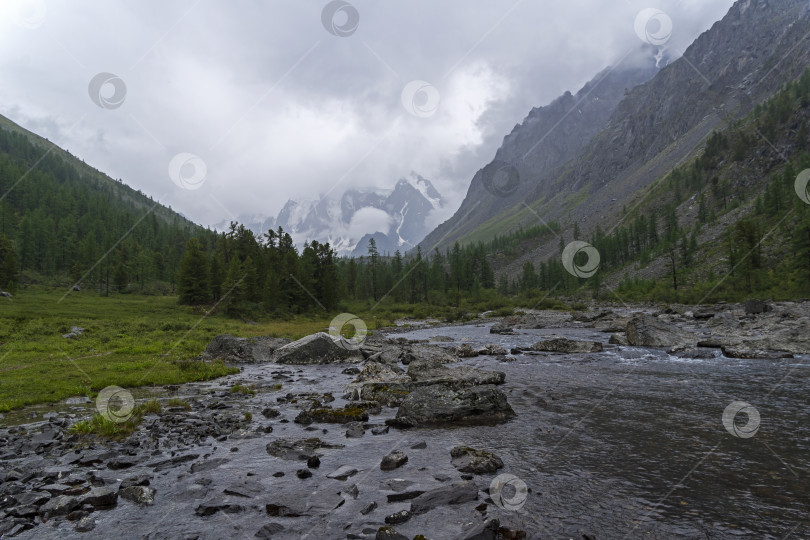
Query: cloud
column 279, row 108
column 369, row 220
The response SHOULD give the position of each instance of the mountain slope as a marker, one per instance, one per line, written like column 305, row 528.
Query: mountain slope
column 742, row 60
column 70, row 222
column 547, row 138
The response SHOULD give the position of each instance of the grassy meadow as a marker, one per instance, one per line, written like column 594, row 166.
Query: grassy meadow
column 128, row 341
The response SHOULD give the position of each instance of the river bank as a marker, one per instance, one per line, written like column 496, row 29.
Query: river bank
column 626, row 441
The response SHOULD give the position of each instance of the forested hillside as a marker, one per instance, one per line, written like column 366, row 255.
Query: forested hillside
column 59, row 218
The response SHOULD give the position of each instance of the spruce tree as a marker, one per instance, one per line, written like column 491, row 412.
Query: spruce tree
column 9, row 265
column 192, row 279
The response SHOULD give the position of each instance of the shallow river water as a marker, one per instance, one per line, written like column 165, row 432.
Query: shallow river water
column 626, row 443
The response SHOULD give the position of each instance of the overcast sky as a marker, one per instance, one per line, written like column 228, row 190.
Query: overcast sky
column 268, row 100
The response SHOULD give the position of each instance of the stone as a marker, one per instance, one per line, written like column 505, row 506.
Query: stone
column 314, row 462
column 398, row 517
column 240, row 350
column 282, row 510
column 755, row 307
column 303, row 474
column 318, row 348
column 564, row 345
column 369, row 508
column 502, row 328
column 455, row 493
column 59, row 506
column 465, row 350
column 86, row 524
column 618, row 339
column 141, row 495
column 394, row 460
column 270, row 412
column 379, row 430
column 483, row 531
column 471, row 460
column 342, row 473
column 297, row 450
column 438, row 404
column 269, row 530
column 343, row 415
column 355, row 430
column 421, row 445
column 491, row 349
column 99, row 497
column 649, row 331
column 389, row 533
column 218, row 504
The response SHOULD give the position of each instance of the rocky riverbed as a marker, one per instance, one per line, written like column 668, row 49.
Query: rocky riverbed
column 614, row 422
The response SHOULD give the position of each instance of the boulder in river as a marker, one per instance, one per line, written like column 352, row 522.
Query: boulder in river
column 426, row 373
column 755, row 307
column 240, row 350
column 456, row 493
column 318, row 348
column 471, row 460
column 648, row 331
column 439, row 404
column 565, row 345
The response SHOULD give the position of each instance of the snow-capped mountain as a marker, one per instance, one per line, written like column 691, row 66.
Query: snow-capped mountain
column 397, row 218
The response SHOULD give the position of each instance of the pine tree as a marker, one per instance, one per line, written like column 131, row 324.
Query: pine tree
column 192, row 279
column 9, row 265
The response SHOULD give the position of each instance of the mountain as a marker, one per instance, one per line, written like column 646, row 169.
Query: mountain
column 604, row 172
column 548, row 137
column 396, row 218
column 69, row 222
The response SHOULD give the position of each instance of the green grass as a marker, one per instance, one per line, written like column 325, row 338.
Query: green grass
column 128, row 341
column 249, row 390
column 103, row 427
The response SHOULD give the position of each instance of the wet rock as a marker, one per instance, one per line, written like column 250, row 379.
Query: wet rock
column 424, row 373
column 295, row 509
column 59, row 506
column 491, row 349
column 240, row 350
column 300, row 449
column 352, row 491
column 355, row 430
column 431, row 353
column 211, row 507
column 379, row 430
column 141, row 495
column 403, row 496
column 246, row 487
column 755, row 307
column 99, row 497
column 389, row 533
column 86, row 524
column 471, row 460
column 484, row 531
column 456, row 493
column 342, row 473
column 394, row 460
column 32, row 498
column 343, row 415
column 208, row 465
column 564, row 345
column 465, row 350
column 138, row 480
column 502, row 328
column 694, row 353
column 438, row 404
column 122, row 462
column 421, row 445
column 303, row 474
column 314, row 462
column 269, row 530
column 618, row 339
column 172, row 462
column 369, row 508
column 270, row 412
column 649, row 331
column 745, row 353
column 398, row 517
column 318, row 348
